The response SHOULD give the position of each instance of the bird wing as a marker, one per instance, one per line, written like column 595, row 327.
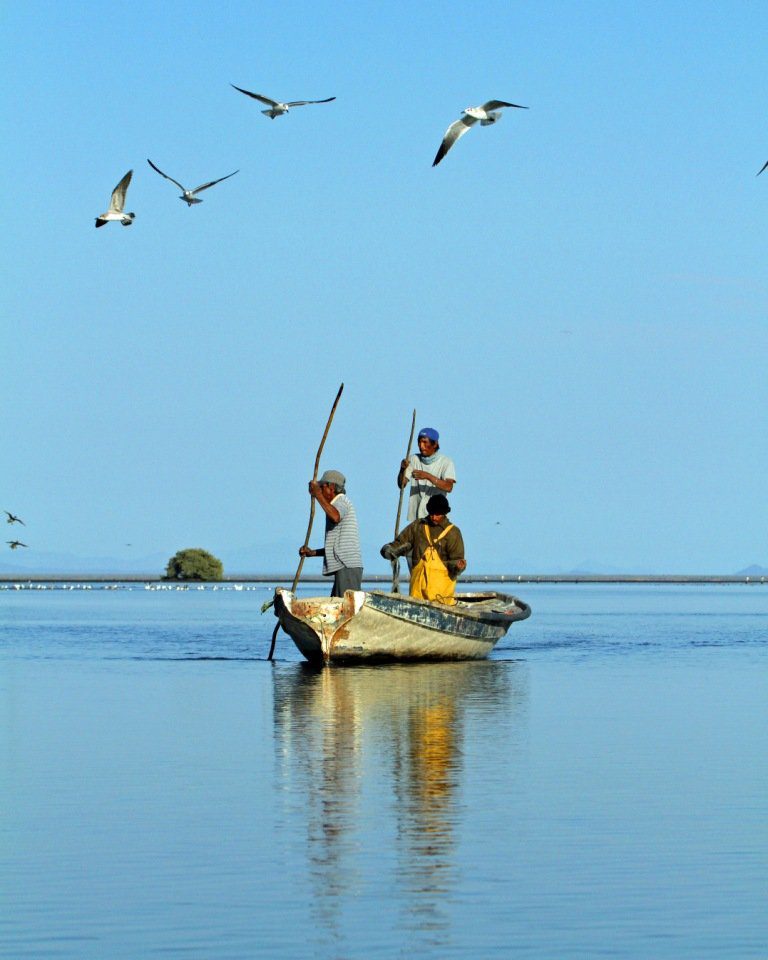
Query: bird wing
column 212, row 183
column 497, row 104
column 158, row 170
column 457, row 129
column 762, row 168
column 301, row 103
column 258, row 96
column 117, row 202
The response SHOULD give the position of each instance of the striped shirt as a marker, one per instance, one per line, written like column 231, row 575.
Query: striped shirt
column 342, row 539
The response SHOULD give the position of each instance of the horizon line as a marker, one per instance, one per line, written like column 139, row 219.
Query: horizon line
column 278, row 578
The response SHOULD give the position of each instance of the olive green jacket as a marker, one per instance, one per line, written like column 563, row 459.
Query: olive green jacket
column 413, row 540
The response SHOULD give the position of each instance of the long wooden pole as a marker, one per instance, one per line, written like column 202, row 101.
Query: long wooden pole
column 311, row 510
column 396, row 561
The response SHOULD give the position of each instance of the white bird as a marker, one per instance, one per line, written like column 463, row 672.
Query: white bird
column 487, row 114
column 276, row 108
column 189, row 195
column 762, row 168
column 117, row 204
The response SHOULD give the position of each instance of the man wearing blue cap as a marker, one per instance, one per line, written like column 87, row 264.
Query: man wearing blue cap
column 429, row 472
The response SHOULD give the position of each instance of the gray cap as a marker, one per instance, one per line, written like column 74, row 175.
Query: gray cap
column 333, row 476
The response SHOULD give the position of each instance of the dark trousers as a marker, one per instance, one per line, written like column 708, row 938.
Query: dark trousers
column 348, row 578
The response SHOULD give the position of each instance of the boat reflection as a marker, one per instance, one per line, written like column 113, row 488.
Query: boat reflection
column 375, row 758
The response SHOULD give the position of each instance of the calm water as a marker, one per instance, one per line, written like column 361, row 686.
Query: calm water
column 599, row 788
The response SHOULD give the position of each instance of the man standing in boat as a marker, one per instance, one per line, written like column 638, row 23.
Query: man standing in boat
column 341, row 554
column 436, row 550
column 428, row 471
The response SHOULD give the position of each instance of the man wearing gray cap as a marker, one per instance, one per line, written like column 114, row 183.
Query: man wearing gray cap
column 341, row 554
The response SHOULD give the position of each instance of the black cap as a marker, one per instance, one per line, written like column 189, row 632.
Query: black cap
column 438, row 505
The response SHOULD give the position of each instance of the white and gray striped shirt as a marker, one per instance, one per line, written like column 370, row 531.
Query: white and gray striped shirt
column 342, row 539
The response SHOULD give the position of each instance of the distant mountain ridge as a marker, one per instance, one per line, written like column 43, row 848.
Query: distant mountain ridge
column 265, row 557
column 44, row 562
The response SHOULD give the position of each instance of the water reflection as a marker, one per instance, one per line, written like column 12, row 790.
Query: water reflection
column 373, row 760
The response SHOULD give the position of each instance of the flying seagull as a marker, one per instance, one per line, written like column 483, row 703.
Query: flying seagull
column 116, row 205
column 12, row 518
column 276, row 108
column 762, row 168
column 189, row 195
column 15, row 543
column 487, row 114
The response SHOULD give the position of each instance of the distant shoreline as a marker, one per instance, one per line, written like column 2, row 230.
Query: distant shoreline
column 287, row 578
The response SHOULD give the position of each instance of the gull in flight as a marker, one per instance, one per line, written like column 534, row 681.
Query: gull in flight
column 276, row 108
column 762, row 168
column 487, row 114
column 14, row 519
column 117, row 204
column 189, row 195
column 15, row 543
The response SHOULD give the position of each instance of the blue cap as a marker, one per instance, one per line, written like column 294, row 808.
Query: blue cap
column 430, row 433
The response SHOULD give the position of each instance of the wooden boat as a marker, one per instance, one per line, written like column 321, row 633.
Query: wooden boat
column 368, row 626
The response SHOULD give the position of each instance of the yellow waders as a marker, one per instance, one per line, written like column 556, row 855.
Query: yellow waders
column 430, row 579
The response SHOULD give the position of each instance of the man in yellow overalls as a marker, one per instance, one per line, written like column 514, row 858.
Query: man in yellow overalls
column 436, row 548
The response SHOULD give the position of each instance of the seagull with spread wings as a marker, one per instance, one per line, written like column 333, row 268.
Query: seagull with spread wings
column 276, row 108
column 15, row 543
column 189, row 195
column 12, row 518
column 117, row 205
column 487, row 114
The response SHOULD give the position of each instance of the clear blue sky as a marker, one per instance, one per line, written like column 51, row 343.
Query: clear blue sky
column 576, row 298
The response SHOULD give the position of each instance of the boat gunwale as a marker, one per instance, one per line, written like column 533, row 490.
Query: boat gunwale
column 453, row 610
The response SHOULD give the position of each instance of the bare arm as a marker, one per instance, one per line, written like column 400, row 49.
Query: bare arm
column 328, row 508
column 445, row 485
column 309, row 552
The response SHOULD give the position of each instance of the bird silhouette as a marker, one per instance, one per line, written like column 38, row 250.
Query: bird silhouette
column 117, row 205
column 276, row 107
column 12, row 518
column 486, row 115
column 189, row 195
column 13, row 544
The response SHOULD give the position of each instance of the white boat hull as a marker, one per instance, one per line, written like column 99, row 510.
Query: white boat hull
column 371, row 626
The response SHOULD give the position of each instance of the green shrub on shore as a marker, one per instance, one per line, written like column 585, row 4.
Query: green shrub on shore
column 194, row 564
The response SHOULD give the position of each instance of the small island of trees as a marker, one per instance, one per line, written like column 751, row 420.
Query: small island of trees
column 194, row 564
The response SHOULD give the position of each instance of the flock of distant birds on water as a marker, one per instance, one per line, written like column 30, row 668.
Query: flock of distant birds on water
column 487, row 114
